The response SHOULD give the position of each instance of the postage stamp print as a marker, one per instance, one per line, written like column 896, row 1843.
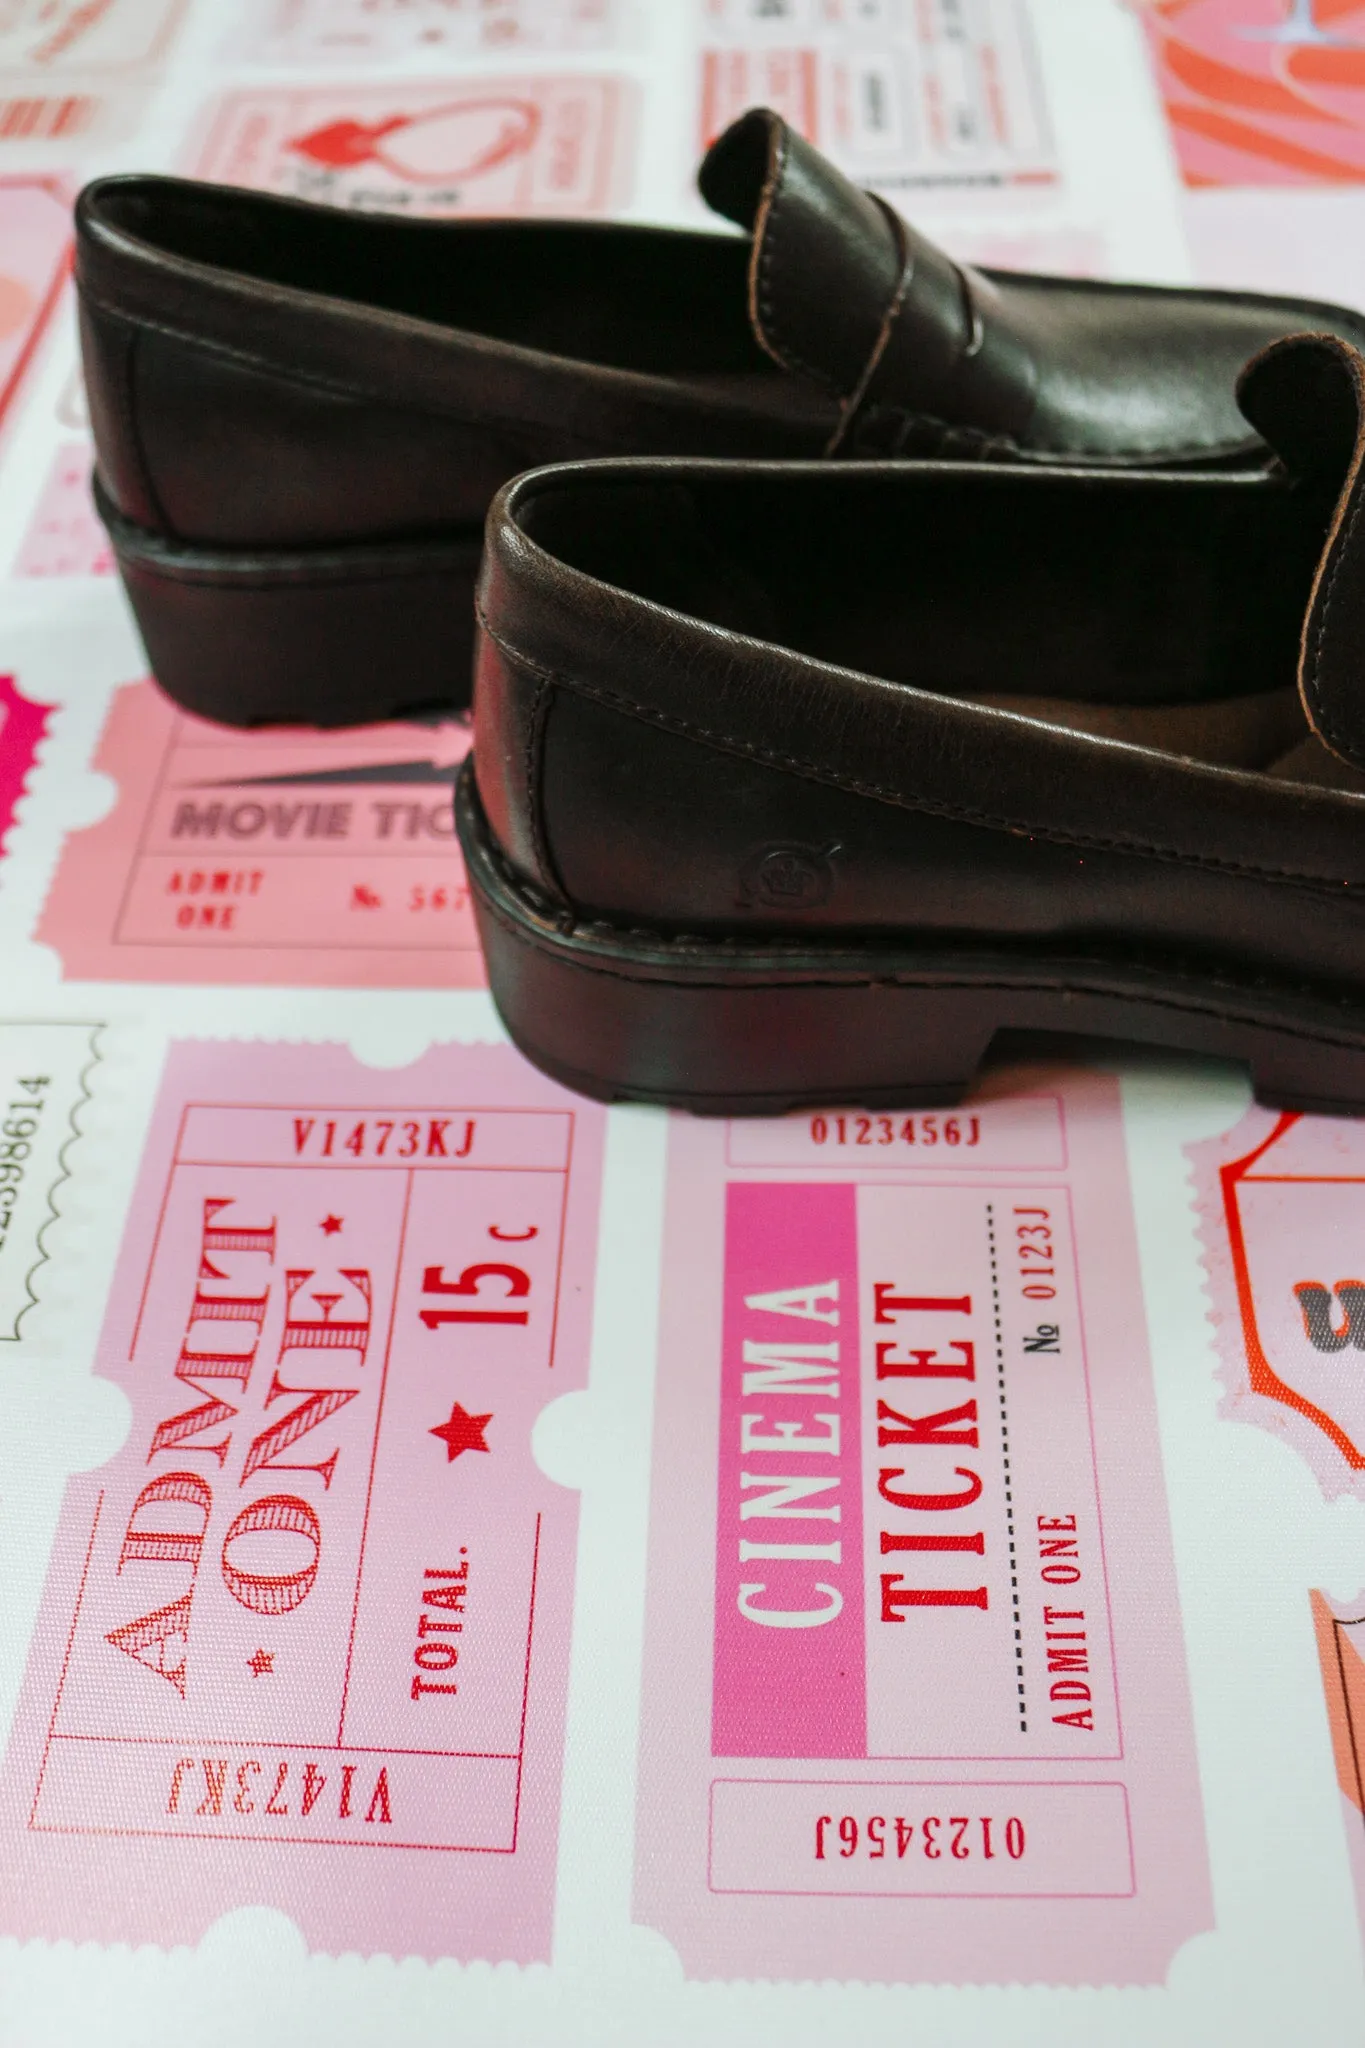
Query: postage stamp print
column 45, row 1070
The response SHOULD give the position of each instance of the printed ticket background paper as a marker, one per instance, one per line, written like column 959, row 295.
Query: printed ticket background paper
column 45, row 1070
column 284, row 856
column 304, row 1640
column 915, row 1703
column 1281, row 1200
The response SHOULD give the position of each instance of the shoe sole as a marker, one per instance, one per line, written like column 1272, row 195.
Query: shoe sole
column 737, row 1028
column 313, row 636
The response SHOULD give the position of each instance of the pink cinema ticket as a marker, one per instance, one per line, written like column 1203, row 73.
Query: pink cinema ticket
column 1281, row 1202
column 517, row 145
column 304, row 1639
column 915, row 1704
column 35, row 243
column 282, row 856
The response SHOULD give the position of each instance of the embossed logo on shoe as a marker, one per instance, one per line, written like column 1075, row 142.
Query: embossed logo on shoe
column 788, row 877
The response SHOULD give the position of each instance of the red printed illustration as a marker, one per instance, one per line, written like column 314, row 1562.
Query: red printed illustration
column 1262, row 92
column 320, row 1602
column 282, row 856
column 515, row 146
column 1281, row 1203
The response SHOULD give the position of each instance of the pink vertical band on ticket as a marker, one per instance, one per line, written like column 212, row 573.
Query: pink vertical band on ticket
column 789, row 1649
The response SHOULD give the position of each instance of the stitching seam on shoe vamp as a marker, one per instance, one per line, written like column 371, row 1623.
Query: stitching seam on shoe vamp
column 319, row 379
column 347, row 388
column 1214, row 983
column 284, row 580
column 902, row 799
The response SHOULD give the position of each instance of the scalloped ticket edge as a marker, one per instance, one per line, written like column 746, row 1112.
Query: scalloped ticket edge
column 915, row 1705
column 304, row 1639
column 46, row 1066
column 1280, row 1204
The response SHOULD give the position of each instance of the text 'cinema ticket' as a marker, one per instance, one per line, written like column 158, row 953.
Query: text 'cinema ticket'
column 915, row 1702
column 304, row 1640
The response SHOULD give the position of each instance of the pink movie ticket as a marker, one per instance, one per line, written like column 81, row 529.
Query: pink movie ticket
column 915, row 1703
column 22, row 725
column 65, row 537
column 285, row 856
column 1281, row 1201
column 1262, row 92
column 363, row 31
column 35, row 241
column 521, row 145
column 304, row 1641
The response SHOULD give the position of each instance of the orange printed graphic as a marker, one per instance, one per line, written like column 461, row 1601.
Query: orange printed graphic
column 1262, row 92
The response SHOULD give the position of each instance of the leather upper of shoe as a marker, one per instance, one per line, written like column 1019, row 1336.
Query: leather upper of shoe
column 968, row 702
column 846, row 293
column 266, row 373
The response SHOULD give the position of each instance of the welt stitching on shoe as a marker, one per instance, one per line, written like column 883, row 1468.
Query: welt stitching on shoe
column 149, row 566
column 1216, row 985
column 933, row 806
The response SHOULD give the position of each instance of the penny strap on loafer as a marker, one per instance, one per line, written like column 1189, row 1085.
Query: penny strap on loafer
column 1306, row 396
column 842, row 291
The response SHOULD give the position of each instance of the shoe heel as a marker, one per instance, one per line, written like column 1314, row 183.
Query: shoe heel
column 728, row 1043
column 318, row 636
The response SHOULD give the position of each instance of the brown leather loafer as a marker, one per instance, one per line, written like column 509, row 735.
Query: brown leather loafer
column 799, row 783
column 301, row 414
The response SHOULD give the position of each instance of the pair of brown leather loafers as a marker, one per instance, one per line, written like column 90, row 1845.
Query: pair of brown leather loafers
column 798, row 774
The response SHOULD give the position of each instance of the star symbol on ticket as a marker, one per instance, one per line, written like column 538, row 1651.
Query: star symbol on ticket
column 330, row 1225
column 463, row 1432
column 262, row 1664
